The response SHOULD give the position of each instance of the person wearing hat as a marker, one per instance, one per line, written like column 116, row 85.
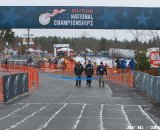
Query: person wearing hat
column 132, row 64
column 89, row 70
column 101, row 70
column 123, row 65
column 118, row 63
column 78, row 70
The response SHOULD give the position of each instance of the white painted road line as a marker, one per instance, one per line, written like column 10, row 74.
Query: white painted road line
column 46, row 124
column 79, row 96
column 36, row 103
column 62, row 103
column 15, row 111
column 144, row 113
column 18, row 123
column 101, row 117
column 78, row 120
column 125, row 115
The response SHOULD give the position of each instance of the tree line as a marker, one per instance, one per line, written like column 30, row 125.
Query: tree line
column 77, row 44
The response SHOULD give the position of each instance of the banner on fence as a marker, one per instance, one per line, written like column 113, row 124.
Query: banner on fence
column 154, row 59
column 15, row 85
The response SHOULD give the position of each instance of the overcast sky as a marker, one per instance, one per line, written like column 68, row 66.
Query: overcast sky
column 109, row 34
column 130, row 3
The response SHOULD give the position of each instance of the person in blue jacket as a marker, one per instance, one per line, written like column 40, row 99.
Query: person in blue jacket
column 123, row 63
column 132, row 64
column 89, row 70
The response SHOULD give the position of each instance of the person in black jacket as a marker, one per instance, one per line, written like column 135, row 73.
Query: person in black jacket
column 78, row 70
column 101, row 70
column 118, row 63
column 6, row 64
column 89, row 72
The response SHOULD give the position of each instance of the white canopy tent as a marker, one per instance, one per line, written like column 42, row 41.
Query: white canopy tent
column 30, row 50
column 88, row 50
column 38, row 51
column 64, row 49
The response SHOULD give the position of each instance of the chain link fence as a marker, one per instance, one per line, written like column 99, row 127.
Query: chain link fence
column 148, row 83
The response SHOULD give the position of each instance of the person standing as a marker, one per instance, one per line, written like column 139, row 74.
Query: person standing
column 159, row 70
column 6, row 64
column 89, row 70
column 29, row 61
column 132, row 64
column 101, row 71
column 50, row 62
column 56, row 62
column 118, row 63
column 78, row 70
column 63, row 65
column 123, row 63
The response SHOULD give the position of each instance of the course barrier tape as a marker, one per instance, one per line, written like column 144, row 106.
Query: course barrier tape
column 73, row 78
column 119, row 76
column 83, row 78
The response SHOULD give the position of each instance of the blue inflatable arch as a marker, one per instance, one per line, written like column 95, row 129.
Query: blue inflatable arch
column 76, row 17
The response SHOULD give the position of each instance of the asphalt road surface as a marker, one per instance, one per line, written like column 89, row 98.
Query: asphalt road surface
column 59, row 105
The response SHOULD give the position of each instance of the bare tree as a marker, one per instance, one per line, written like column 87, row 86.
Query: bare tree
column 138, row 34
column 154, row 34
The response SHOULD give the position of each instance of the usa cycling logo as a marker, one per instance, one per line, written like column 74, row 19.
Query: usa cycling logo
column 45, row 18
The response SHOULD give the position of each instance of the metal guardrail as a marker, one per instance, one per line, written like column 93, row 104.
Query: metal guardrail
column 148, row 83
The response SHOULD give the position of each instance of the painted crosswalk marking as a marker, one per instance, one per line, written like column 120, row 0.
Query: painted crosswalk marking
column 144, row 113
column 78, row 120
column 18, row 123
column 100, row 115
column 52, row 117
column 15, row 111
column 125, row 115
